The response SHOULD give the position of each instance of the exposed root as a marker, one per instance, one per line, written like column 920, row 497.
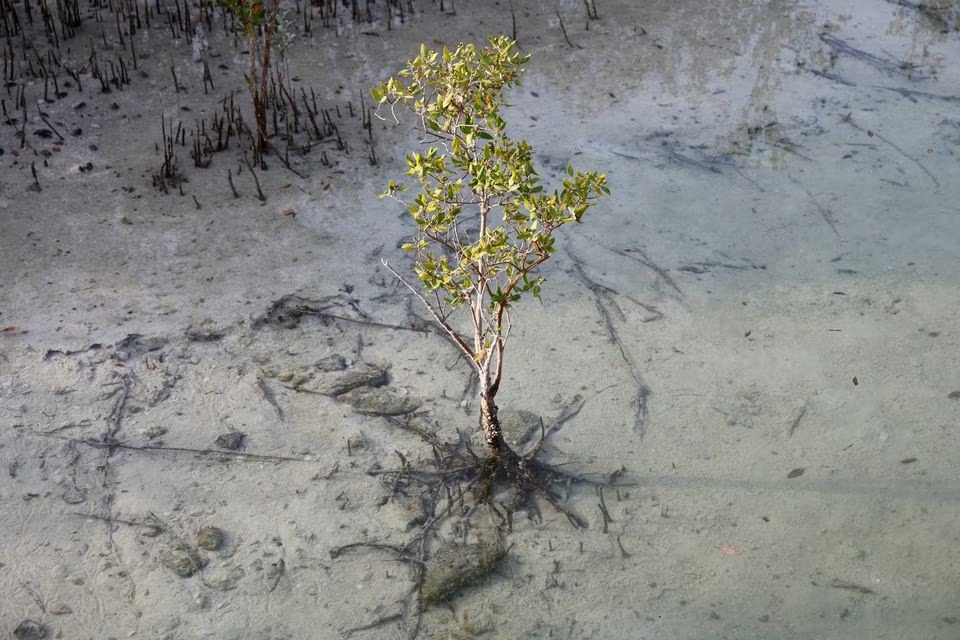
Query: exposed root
column 450, row 489
column 528, row 477
column 457, row 471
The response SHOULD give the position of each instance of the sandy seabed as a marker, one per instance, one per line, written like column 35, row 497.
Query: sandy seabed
column 759, row 326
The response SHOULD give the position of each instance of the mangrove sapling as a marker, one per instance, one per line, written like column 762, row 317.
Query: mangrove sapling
column 257, row 22
column 484, row 222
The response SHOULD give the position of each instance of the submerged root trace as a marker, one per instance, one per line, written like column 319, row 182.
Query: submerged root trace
column 474, row 496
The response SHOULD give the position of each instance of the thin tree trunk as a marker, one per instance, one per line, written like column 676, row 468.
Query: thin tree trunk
column 261, row 98
column 490, row 422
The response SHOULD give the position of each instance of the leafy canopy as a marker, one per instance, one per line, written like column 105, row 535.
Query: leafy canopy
column 470, row 168
column 250, row 15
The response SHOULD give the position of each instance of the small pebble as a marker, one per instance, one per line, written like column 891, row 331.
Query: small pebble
column 209, row 537
column 230, row 440
column 30, row 630
column 58, row 608
column 181, row 559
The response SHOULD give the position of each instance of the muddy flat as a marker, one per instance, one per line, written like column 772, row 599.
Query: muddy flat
column 202, row 356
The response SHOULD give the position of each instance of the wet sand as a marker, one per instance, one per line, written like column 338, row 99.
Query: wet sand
column 760, row 323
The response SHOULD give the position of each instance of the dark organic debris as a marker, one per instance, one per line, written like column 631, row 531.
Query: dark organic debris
column 851, row 586
column 136, row 345
column 612, row 314
column 290, row 309
column 884, row 64
column 204, row 331
column 218, row 453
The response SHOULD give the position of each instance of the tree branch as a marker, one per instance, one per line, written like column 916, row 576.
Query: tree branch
column 440, row 319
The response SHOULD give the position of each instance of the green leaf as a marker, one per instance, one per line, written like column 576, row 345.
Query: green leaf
column 466, row 250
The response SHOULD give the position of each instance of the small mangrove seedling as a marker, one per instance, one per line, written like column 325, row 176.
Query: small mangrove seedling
column 257, row 22
column 484, row 222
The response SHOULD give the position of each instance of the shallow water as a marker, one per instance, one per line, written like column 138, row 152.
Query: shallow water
column 761, row 318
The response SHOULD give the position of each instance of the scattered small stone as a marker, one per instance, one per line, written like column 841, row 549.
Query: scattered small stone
column 150, row 531
column 331, row 363
column 181, row 559
column 58, row 608
column 476, row 622
column 210, row 537
column 223, row 578
column 155, row 431
column 332, row 377
column 73, row 495
column 294, row 379
column 455, row 565
column 204, row 331
column 523, row 428
column 361, row 375
column 357, row 443
column 30, row 630
column 379, row 401
column 231, row 440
